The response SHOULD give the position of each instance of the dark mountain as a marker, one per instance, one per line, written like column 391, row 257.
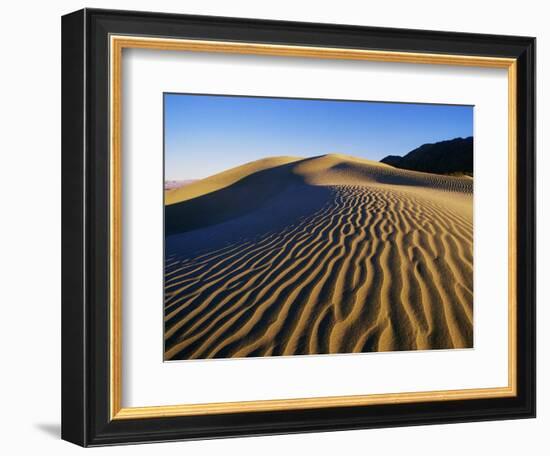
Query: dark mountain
column 455, row 156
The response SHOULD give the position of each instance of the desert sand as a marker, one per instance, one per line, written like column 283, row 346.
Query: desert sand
column 323, row 255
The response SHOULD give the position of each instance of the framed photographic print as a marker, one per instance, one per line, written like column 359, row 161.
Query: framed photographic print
column 279, row 227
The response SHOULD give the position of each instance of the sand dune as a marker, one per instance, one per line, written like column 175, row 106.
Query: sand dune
column 331, row 254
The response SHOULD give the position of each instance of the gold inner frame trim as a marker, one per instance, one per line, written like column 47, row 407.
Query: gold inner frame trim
column 117, row 44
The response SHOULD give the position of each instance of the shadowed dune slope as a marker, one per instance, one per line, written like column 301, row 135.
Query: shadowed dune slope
column 331, row 254
column 224, row 179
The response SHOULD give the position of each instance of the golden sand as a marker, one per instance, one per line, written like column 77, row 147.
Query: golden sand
column 380, row 259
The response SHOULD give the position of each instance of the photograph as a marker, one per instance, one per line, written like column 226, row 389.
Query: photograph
column 298, row 226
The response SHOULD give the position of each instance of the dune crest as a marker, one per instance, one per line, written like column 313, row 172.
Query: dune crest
column 332, row 254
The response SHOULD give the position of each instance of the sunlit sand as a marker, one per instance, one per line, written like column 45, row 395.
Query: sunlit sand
column 332, row 254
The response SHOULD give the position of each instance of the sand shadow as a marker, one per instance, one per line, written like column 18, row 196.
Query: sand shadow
column 240, row 198
column 216, row 220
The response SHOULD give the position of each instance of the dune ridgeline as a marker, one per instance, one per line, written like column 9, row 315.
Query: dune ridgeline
column 331, row 254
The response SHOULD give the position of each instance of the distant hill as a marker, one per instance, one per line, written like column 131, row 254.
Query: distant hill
column 173, row 184
column 455, row 156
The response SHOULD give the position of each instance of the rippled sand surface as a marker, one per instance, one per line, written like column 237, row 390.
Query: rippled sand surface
column 333, row 254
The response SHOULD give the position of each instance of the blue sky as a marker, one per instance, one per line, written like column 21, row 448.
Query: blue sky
column 207, row 134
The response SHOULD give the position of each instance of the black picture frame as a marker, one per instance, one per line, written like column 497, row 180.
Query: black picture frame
column 85, row 223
